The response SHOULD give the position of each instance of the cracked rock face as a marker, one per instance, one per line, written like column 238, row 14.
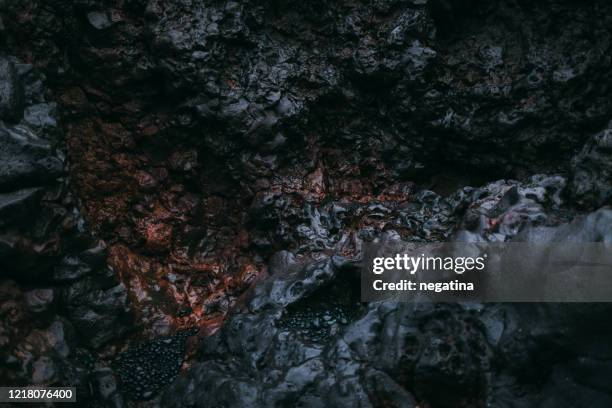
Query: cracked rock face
column 197, row 179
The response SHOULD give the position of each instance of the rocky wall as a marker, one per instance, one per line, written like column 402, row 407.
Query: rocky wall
column 192, row 167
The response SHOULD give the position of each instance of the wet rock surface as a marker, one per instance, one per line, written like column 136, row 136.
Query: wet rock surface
column 144, row 369
column 504, row 355
column 219, row 165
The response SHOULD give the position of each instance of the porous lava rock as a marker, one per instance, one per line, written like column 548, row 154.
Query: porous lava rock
column 271, row 351
column 145, row 368
column 220, row 164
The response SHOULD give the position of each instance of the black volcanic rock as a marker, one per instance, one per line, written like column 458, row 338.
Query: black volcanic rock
column 58, row 297
column 145, row 368
column 164, row 164
column 592, row 171
column 277, row 350
column 11, row 91
column 26, row 159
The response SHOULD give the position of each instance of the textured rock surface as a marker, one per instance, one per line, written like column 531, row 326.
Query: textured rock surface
column 164, row 165
column 592, row 171
column 59, row 300
column 501, row 355
column 145, row 368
